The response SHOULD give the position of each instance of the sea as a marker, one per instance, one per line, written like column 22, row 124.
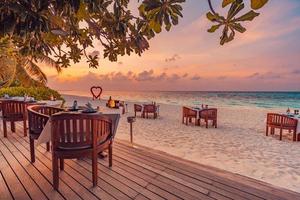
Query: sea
column 211, row 98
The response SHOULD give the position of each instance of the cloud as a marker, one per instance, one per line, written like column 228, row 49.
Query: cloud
column 145, row 76
column 254, row 75
column 221, row 77
column 185, row 75
column 174, row 77
column 173, row 58
column 296, row 71
column 267, row 75
column 196, row 78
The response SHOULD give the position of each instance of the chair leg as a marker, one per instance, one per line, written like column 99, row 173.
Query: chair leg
column 267, row 130
column 48, row 146
column 61, row 164
column 55, row 172
column 32, row 153
column 294, row 135
column 206, row 121
column 4, row 128
column 13, row 126
column 215, row 122
column 280, row 137
column 110, row 155
column 95, row 168
column 25, row 127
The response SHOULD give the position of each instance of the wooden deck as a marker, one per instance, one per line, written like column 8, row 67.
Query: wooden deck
column 137, row 173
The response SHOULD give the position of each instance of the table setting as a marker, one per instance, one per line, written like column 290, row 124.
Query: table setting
column 31, row 100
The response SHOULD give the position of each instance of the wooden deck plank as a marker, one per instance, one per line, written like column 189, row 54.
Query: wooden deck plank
column 30, row 186
column 98, row 192
column 13, row 183
column 137, row 173
column 66, row 190
column 126, row 179
column 219, row 177
column 181, row 186
column 188, row 170
column 4, row 190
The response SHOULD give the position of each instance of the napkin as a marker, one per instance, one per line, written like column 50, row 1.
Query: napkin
column 89, row 106
column 6, row 96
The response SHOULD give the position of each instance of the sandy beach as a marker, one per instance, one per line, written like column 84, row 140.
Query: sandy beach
column 238, row 145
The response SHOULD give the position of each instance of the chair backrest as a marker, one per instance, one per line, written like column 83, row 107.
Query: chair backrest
column 188, row 112
column 75, row 131
column 281, row 120
column 137, row 107
column 150, row 108
column 210, row 113
column 13, row 109
column 38, row 115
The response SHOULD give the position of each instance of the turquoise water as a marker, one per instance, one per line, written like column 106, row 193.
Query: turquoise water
column 194, row 98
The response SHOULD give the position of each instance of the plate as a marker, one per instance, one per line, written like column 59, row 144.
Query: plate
column 73, row 109
column 89, row 111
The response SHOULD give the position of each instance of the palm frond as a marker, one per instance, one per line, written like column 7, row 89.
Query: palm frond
column 50, row 62
column 34, row 71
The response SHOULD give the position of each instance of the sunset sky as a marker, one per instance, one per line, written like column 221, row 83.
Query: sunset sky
column 266, row 57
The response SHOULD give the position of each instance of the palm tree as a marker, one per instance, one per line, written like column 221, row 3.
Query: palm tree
column 15, row 68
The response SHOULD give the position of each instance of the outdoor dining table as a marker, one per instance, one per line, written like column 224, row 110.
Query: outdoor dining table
column 198, row 110
column 56, row 103
column 45, row 136
column 297, row 117
column 156, row 105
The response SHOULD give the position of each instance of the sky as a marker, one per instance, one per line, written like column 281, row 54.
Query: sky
column 188, row 58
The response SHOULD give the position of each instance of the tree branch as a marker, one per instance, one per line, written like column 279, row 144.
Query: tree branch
column 210, row 6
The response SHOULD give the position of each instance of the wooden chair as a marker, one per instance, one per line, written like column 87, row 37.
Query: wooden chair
column 137, row 108
column 13, row 111
column 38, row 116
column 77, row 136
column 281, row 122
column 210, row 114
column 149, row 109
column 188, row 114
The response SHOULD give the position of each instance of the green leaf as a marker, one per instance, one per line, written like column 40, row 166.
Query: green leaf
column 155, row 26
column 238, row 27
column 249, row 16
column 82, row 12
column 211, row 16
column 235, row 8
column 227, row 2
column 257, row 4
column 213, row 28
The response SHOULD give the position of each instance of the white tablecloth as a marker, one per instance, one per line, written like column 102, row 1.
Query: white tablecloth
column 57, row 103
column 298, row 125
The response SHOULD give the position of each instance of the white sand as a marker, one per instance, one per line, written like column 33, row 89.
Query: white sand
column 238, row 145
